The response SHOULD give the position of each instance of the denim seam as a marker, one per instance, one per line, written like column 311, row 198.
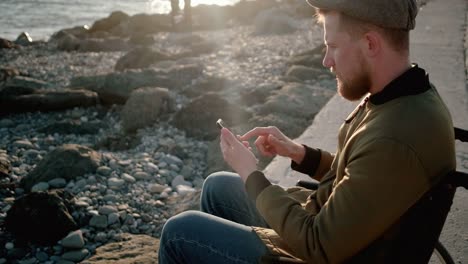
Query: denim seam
column 208, row 247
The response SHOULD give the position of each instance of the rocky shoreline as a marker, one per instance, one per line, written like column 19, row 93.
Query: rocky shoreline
column 116, row 126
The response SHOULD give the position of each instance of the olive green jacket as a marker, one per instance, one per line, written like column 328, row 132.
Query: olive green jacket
column 391, row 150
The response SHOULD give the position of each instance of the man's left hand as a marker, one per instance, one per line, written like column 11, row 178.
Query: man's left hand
column 237, row 154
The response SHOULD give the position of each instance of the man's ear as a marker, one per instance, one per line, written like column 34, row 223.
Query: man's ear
column 371, row 43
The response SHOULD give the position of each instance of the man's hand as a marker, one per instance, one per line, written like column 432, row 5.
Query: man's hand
column 271, row 141
column 237, row 154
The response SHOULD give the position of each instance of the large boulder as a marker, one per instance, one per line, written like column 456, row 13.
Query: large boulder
column 296, row 100
column 77, row 32
column 108, row 23
column 274, row 21
column 140, row 58
column 44, row 100
column 41, row 217
column 198, row 118
column 310, row 58
column 67, row 162
column 303, row 73
column 145, row 106
column 133, row 249
column 143, row 24
column 115, row 88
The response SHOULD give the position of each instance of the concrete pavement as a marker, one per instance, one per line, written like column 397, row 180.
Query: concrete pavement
column 438, row 45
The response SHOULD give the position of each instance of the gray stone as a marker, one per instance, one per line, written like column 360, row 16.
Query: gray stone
column 40, row 187
column 141, row 175
column 107, row 209
column 274, row 21
column 76, row 255
column 145, row 106
column 115, row 183
column 197, row 122
column 42, row 256
column 99, row 221
column 74, row 240
column 303, row 73
column 57, row 183
column 104, row 171
column 140, row 57
column 24, row 39
column 68, row 162
column 128, row 178
column 23, row 144
column 113, row 218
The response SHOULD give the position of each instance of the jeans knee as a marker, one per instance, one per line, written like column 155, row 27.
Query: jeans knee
column 218, row 183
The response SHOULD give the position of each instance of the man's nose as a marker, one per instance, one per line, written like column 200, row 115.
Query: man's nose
column 327, row 61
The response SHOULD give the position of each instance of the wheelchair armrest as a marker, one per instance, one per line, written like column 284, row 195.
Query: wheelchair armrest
column 311, row 185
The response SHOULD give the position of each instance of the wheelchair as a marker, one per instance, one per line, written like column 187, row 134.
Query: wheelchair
column 422, row 224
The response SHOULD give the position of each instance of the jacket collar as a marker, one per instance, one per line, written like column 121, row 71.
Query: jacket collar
column 413, row 81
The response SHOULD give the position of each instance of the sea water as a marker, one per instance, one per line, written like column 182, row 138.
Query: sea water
column 41, row 18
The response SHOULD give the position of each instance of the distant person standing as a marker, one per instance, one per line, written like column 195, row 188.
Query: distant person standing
column 175, row 9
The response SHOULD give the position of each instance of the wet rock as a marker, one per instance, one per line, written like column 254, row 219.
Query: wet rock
column 133, row 249
column 68, row 162
column 141, row 57
column 145, row 106
column 274, row 21
column 42, row 217
column 40, row 187
column 45, row 101
column 197, row 122
column 24, row 39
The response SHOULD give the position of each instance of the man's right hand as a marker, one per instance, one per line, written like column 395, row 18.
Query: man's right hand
column 271, row 141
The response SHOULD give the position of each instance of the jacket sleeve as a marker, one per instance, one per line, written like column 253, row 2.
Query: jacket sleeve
column 381, row 181
column 316, row 163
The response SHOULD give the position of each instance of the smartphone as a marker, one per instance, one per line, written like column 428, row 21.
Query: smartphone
column 220, row 123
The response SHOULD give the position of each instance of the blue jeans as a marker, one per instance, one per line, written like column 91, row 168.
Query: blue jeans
column 221, row 232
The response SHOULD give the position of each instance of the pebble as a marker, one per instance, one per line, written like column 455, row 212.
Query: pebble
column 113, row 218
column 26, row 144
column 141, row 175
column 57, row 183
column 99, row 221
column 115, row 183
column 40, row 187
column 107, row 209
column 104, row 171
column 128, row 178
column 179, row 180
column 9, row 246
column 74, row 240
column 75, row 255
